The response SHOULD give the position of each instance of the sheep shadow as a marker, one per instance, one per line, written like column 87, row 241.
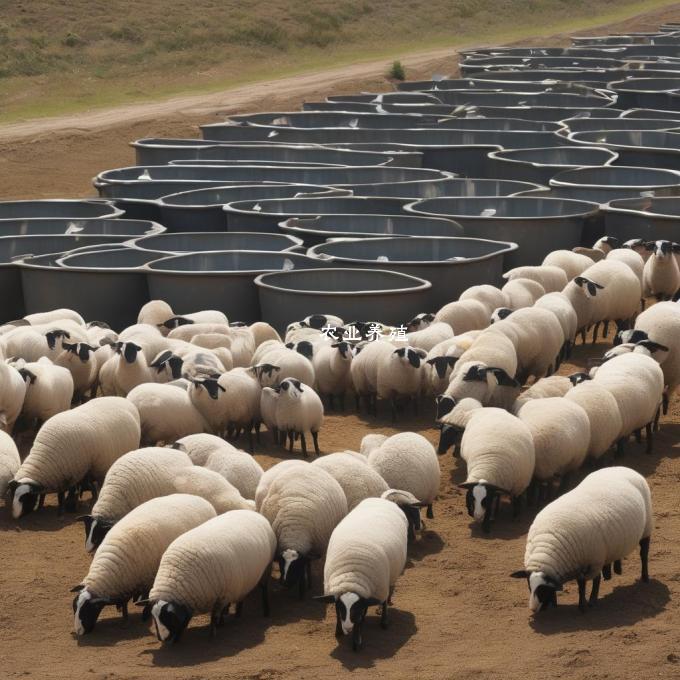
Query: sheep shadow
column 624, row 606
column 429, row 543
column 46, row 519
column 114, row 630
column 378, row 643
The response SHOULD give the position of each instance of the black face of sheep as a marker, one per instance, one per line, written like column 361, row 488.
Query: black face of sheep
column 295, row 569
column 317, row 321
column 176, row 322
column 577, row 378
column 26, row 497
column 342, row 347
column 633, row 336
column 52, row 336
column 442, row 364
column 589, row 287
column 303, row 347
column 414, row 356
column 95, row 530
column 350, row 613
column 449, row 436
column 444, row 405
column 500, row 314
column 167, row 358
column 481, row 499
column 611, row 241
column 86, row 608
column 412, row 513
column 169, row 618
column 420, row 320
column 543, row 589
column 237, row 324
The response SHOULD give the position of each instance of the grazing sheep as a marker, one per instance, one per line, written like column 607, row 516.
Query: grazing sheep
column 12, row 393
column 552, row 386
column 303, row 504
column 209, row 568
column 125, row 370
column 464, row 315
column 73, row 446
column 271, row 474
column 442, row 359
column 572, row 264
column 366, row 556
column 408, row 461
column 552, row 278
column 126, row 563
column 586, row 530
column 9, row 462
column 661, row 276
column 522, row 292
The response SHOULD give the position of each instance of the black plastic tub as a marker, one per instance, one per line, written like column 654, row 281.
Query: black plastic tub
column 107, row 285
column 451, row 265
column 14, row 248
column 537, row 225
column 651, row 219
column 397, row 97
column 541, row 165
column 88, row 227
column 219, row 280
column 348, row 293
column 625, row 124
column 544, row 113
column 334, row 119
column 48, row 208
column 645, row 93
column 193, row 242
column 504, row 99
column 604, row 184
column 320, row 228
column 265, row 215
column 201, row 209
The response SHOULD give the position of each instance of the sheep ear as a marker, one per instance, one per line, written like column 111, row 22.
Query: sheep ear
column 651, row 346
column 676, row 248
column 467, row 485
column 298, row 385
column 142, row 603
column 290, row 345
column 475, row 373
column 77, row 589
column 71, row 347
column 400, row 352
column 649, row 245
column 27, row 375
column 372, row 601
column 161, row 359
column 12, row 486
column 522, row 573
column 324, row 598
column 503, row 378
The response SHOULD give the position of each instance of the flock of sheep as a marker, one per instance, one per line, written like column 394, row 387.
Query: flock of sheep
column 141, row 420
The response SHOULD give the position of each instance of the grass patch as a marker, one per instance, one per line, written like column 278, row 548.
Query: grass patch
column 396, row 71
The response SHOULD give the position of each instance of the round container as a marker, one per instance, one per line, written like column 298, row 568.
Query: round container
column 649, row 218
column 193, row 242
column 69, row 209
column 90, row 227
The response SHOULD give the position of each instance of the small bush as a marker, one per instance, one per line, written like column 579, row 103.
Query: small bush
column 397, row 71
column 72, row 40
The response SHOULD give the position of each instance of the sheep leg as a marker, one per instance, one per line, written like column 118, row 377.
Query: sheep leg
column 291, row 440
column 303, row 444
column 71, row 502
column 516, row 506
column 486, row 522
column 430, row 513
column 644, row 559
column 308, row 573
column 617, row 567
column 215, row 617
column 643, row 304
column 331, row 403
column 251, row 441
column 383, row 616
column 605, row 333
column 607, row 572
column 373, row 404
column 342, row 402
column 497, row 506
column 564, row 484
column 638, row 435
column 357, row 639
column 338, row 628
column 239, row 609
column 620, row 448
column 60, row 503
column 357, row 397
column 315, row 439
column 415, row 406
column 257, row 431
column 123, row 609
column 664, row 402
column 650, row 437
column 656, row 419
column 393, row 406
column 582, row 604
column 389, row 596
column 302, row 586
column 595, row 591
column 41, row 501
column 583, row 336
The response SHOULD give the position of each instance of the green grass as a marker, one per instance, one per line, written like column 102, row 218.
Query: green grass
column 62, row 57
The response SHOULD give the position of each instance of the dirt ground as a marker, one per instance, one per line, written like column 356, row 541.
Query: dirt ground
column 457, row 613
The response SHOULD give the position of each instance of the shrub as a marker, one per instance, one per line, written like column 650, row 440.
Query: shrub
column 397, row 71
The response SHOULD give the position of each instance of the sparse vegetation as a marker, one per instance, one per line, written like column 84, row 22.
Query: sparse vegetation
column 397, row 71
column 61, row 56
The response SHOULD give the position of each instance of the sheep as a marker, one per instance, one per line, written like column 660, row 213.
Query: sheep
column 499, row 452
column 661, row 276
column 490, row 296
column 125, row 370
column 603, row 415
column 371, row 442
column 464, row 315
column 429, row 337
column 332, row 369
column 580, row 534
column 522, row 292
column 204, row 316
column 72, row 446
column 636, row 382
column 242, row 346
column 9, row 461
column 291, row 364
column 49, row 390
column 572, row 264
column 148, row 338
column 209, row 568
column 41, row 318
column 79, row 359
column 364, row 371
column 552, row 386
column 408, row 461
column 420, row 322
column 537, row 336
column 303, row 505
column 630, row 257
column 166, row 413
column 148, row 473
column 219, row 347
column 262, row 331
column 237, row 467
column 639, row 246
column 561, row 432
column 661, row 323
column 366, row 556
column 12, row 393
column 442, row 359
column 400, row 374
column 552, row 278
column 270, row 475
column 126, row 562
column 561, row 307
column 299, row 409
column 155, row 313
column 31, row 343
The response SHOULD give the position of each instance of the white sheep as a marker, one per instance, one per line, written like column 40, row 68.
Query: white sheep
column 49, row 390
column 79, row 359
column 400, row 375
column 210, row 567
column 9, row 461
column 464, row 315
column 299, row 409
column 366, row 556
column 364, row 371
column 630, row 257
column 572, row 264
column 31, row 343
column 155, row 313
column 552, row 278
column 639, row 246
column 661, row 276
column 290, row 363
column 408, row 461
column 270, row 475
column 552, row 386
column 441, row 360
column 332, row 369
column 490, row 296
column 582, row 533
column 303, row 504
column 262, row 332
column 522, row 292
column 41, row 318
column 12, row 393
column 72, row 446
column 126, row 563
column 166, row 413
column 561, row 307
column 603, row 414
column 427, row 338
